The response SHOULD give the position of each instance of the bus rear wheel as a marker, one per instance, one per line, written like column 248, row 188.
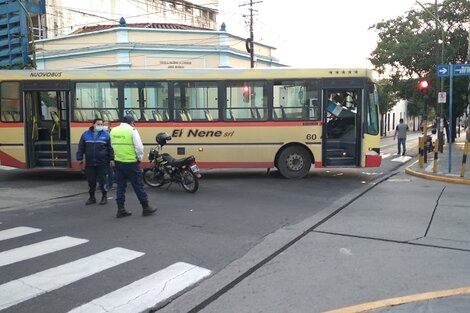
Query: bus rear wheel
column 294, row 162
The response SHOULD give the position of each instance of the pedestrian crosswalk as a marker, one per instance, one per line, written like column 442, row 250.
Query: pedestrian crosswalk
column 38, row 249
column 17, row 232
column 138, row 296
column 146, row 292
column 401, row 159
column 396, row 157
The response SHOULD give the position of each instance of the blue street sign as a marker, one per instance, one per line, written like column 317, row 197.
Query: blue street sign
column 461, row 69
column 443, row 70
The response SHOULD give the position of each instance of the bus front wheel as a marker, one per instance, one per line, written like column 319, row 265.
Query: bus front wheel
column 294, row 162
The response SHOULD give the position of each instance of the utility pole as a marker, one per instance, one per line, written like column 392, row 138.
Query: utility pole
column 250, row 41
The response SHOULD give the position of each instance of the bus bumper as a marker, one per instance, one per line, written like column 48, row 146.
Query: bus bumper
column 373, row 160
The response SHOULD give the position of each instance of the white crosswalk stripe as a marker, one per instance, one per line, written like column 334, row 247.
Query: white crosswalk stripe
column 17, row 232
column 135, row 297
column 38, row 249
column 385, row 156
column 138, row 296
column 148, row 291
column 401, row 159
column 28, row 287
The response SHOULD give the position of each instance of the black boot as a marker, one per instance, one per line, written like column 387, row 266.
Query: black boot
column 104, row 199
column 147, row 210
column 122, row 211
column 91, row 200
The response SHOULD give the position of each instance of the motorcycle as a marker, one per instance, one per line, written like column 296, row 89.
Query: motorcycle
column 167, row 170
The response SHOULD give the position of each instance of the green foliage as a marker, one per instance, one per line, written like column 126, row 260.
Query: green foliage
column 387, row 96
column 409, row 49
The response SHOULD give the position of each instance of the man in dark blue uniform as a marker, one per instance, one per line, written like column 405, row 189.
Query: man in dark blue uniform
column 95, row 144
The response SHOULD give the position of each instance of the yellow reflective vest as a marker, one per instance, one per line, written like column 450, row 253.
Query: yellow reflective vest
column 123, row 145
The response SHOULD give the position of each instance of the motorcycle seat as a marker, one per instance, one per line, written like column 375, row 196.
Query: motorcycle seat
column 181, row 162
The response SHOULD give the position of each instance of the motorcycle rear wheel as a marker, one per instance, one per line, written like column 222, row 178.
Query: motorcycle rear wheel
column 152, row 180
column 189, row 181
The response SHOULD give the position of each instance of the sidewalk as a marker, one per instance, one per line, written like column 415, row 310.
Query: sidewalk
column 442, row 173
column 399, row 245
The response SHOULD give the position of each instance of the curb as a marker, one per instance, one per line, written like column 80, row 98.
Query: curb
column 454, row 180
column 387, row 303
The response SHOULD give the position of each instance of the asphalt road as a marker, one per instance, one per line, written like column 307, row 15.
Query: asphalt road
column 230, row 214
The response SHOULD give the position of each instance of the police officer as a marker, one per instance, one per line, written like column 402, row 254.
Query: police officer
column 128, row 152
column 96, row 145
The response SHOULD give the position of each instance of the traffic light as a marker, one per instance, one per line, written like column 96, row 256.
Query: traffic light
column 423, row 86
column 246, row 94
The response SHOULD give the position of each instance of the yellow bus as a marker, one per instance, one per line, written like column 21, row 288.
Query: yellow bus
column 285, row 118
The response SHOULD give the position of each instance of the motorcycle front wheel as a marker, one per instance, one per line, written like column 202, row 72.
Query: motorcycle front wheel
column 151, row 179
column 189, row 181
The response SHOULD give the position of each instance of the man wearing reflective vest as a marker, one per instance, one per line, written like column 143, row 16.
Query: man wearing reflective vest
column 128, row 152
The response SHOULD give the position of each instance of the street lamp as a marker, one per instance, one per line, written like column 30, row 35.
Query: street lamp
column 30, row 20
column 440, row 126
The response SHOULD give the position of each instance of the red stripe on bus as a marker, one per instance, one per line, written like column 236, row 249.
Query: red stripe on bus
column 235, row 164
column 8, row 125
column 210, row 124
column 8, row 160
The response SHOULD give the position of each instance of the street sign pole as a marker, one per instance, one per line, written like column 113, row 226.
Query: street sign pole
column 451, row 70
column 449, row 131
column 443, row 70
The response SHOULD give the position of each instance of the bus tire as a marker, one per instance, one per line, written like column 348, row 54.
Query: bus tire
column 294, row 162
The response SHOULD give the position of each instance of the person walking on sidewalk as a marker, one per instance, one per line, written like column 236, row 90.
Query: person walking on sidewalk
column 95, row 144
column 129, row 151
column 400, row 133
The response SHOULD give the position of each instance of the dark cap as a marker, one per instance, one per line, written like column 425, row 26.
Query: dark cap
column 128, row 119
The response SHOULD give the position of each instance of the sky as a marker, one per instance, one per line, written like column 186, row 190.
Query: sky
column 315, row 33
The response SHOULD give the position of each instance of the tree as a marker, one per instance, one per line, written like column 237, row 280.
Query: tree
column 387, row 95
column 408, row 50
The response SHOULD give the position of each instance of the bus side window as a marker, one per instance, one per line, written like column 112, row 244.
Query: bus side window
column 78, row 116
column 157, row 116
column 208, row 115
column 182, row 116
column 7, row 117
column 230, row 115
column 314, row 109
column 10, row 106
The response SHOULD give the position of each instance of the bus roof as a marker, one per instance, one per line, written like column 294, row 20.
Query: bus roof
column 186, row 74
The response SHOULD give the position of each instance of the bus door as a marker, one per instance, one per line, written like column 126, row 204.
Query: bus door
column 341, row 127
column 47, row 126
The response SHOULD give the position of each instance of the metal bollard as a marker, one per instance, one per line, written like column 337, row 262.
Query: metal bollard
column 436, row 152
column 464, row 159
